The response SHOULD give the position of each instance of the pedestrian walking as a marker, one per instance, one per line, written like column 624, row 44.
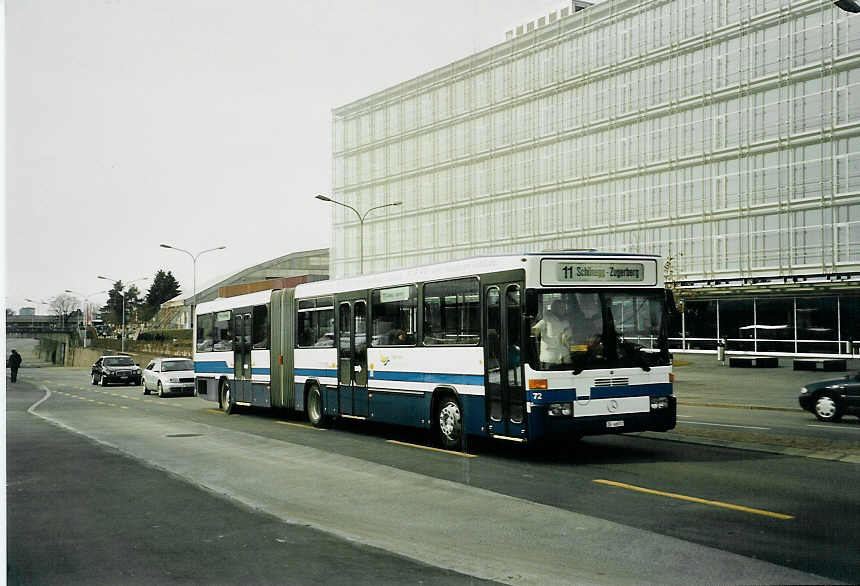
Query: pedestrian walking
column 14, row 363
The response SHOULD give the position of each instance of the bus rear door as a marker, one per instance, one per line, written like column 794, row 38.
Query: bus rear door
column 352, row 358
column 242, row 323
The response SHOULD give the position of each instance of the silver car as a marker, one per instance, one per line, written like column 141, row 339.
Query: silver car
column 169, row 376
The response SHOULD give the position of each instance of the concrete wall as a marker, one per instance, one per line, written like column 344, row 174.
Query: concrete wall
column 84, row 357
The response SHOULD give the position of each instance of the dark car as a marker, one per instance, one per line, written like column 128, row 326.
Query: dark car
column 116, row 369
column 829, row 400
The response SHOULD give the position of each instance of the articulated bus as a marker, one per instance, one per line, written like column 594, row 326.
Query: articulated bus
column 515, row 347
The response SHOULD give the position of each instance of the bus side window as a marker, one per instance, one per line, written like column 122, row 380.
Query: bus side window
column 394, row 312
column 205, row 333
column 325, row 328
column 452, row 312
column 260, row 331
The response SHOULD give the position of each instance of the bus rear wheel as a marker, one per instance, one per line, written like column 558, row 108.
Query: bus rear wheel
column 449, row 423
column 314, row 407
column 225, row 397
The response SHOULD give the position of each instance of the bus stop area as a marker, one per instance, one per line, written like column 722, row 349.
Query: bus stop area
column 702, row 380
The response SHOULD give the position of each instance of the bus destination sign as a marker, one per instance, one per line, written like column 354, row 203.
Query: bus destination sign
column 570, row 272
column 627, row 272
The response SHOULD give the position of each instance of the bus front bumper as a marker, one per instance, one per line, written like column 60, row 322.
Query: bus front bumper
column 660, row 419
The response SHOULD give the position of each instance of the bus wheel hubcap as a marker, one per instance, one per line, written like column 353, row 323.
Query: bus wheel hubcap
column 315, row 406
column 449, row 421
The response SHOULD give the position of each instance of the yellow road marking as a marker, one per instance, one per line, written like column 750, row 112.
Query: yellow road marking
column 452, row 453
column 696, row 499
column 305, row 426
column 218, row 411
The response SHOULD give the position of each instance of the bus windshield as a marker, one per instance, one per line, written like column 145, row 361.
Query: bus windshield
column 581, row 330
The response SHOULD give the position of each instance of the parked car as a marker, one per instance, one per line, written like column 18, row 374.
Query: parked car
column 169, row 376
column 829, row 400
column 116, row 369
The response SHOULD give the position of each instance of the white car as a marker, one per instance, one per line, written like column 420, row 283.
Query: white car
column 169, row 376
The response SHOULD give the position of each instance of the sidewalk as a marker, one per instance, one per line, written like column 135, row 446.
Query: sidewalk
column 701, row 380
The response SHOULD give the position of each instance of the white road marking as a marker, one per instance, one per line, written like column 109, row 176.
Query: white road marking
column 833, row 427
column 40, row 401
column 724, row 425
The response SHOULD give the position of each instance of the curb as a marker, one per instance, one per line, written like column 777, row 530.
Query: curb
column 751, row 447
column 735, row 406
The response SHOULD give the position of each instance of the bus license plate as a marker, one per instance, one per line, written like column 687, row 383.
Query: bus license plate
column 614, row 424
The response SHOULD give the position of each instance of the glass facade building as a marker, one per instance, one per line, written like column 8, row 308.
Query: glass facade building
column 721, row 134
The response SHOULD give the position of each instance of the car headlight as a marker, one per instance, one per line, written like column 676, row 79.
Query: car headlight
column 108, row 371
column 659, row 402
column 560, row 409
column 803, row 390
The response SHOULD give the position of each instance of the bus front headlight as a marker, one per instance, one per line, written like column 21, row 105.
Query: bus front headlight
column 560, row 409
column 659, row 403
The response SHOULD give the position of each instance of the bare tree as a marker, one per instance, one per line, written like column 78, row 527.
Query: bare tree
column 62, row 305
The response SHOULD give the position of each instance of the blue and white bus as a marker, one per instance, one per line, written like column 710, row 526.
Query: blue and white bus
column 515, row 347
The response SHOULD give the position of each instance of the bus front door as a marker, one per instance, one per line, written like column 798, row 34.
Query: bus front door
column 242, row 355
column 352, row 358
column 505, row 393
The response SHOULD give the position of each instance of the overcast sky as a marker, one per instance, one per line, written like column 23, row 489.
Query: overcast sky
column 197, row 123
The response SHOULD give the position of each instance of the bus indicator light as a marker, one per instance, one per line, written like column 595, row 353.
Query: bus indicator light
column 537, row 384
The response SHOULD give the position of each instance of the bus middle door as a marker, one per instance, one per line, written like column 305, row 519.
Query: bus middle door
column 505, row 392
column 242, row 355
column 352, row 358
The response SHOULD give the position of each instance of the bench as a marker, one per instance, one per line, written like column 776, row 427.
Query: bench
column 830, row 364
column 754, row 361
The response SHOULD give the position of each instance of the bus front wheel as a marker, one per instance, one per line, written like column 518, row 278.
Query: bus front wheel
column 226, row 401
column 449, row 423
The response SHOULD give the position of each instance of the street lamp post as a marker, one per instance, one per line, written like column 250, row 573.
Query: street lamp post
column 361, row 219
column 194, row 258
column 122, row 338
column 87, row 320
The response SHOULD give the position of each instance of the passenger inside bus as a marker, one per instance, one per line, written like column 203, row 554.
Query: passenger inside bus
column 398, row 337
column 553, row 331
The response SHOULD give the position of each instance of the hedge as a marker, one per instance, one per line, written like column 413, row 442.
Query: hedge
column 165, row 336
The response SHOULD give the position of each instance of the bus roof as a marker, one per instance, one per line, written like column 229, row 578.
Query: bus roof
column 451, row 269
column 221, row 303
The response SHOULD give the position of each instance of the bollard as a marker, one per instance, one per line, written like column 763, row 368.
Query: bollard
column 721, row 350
